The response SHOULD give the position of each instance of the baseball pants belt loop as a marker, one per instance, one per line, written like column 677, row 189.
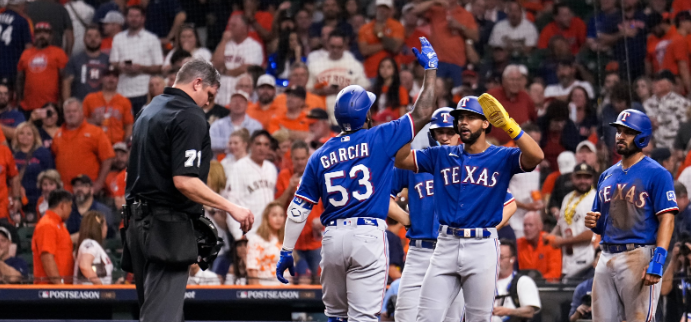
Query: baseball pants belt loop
column 423, row 243
column 359, row 221
column 477, row 233
column 620, row 248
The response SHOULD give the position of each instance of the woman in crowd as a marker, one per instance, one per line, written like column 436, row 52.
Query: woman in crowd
column 644, row 89
column 157, row 83
column 264, row 246
column 582, row 113
column 48, row 120
column 289, row 50
column 238, row 145
column 391, row 96
column 31, row 159
column 48, row 181
column 559, row 133
column 92, row 264
column 187, row 39
column 237, row 273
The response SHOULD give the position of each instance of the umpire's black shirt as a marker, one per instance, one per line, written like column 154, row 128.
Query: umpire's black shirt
column 170, row 138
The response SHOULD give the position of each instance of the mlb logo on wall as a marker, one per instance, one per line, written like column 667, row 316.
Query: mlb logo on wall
column 671, row 196
column 242, row 294
column 43, row 294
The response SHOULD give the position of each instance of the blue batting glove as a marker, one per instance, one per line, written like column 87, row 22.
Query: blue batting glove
column 285, row 262
column 427, row 57
column 657, row 262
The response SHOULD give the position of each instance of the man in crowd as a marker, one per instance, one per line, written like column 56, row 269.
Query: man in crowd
column 84, row 70
column 332, row 19
column 115, row 181
column 221, row 129
column 51, row 244
column 380, row 38
column 330, row 74
column 299, row 75
column 525, row 289
column 81, row 148
column 294, row 118
column 572, row 28
column 164, row 18
column 566, row 72
column 534, row 252
column 109, row 110
column 10, row 117
column 586, row 152
column 234, row 55
column 580, row 307
column 12, row 269
column 84, row 202
column 665, row 158
column 137, row 54
column 112, row 25
column 266, row 107
column 516, row 34
column 320, row 127
column 514, row 98
column 666, row 109
column 13, row 19
column 40, row 67
column 570, row 233
column 57, row 16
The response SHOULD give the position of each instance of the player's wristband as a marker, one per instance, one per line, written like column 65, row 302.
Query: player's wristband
column 520, row 134
column 657, row 262
column 513, row 129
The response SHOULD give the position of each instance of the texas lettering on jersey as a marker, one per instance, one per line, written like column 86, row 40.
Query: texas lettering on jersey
column 452, row 175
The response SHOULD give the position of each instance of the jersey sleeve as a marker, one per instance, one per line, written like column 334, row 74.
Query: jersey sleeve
column 186, row 144
column 88, row 247
column 424, row 159
column 395, row 134
column 398, row 181
column 509, row 198
column 308, row 189
column 514, row 158
column 662, row 193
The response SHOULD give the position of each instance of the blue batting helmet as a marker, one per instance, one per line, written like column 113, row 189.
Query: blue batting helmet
column 637, row 121
column 352, row 105
column 468, row 104
column 441, row 118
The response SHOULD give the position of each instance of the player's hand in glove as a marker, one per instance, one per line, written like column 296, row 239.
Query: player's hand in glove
column 653, row 272
column 497, row 116
column 427, row 57
column 285, row 262
column 591, row 219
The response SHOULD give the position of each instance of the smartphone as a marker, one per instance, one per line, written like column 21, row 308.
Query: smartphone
column 128, row 62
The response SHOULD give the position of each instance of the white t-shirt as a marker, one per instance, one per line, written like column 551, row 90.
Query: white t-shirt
column 342, row 72
column 263, row 255
column 101, row 265
column 250, row 52
column 206, row 277
column 528, row 294
column 582, row 256
column 201, row 52
column 685, row 178
column 502, row 32
column 251, row 186
column 86, row 13
column 556, row 90
column 521, row 186
column 142, row 48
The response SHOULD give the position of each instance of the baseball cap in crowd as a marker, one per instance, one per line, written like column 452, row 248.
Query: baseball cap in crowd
column 388, row 3
column 297, row 91
column 584, row 168
column 566, row 161
column 665, row 74
column 588, row 144
column 120, row 146
column 113, row 17
column 241, row 93
column 6, row 232
column 82, row 178
column 409, row 6
column 317, row 114
column 111, row 70
column 43, row 26
column 266, row 79
column 469, row 73
column 660, row 154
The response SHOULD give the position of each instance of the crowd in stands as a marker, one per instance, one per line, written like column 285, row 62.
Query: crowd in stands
column 75, row 73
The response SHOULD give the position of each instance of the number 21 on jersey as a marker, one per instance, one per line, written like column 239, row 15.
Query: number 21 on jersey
column 363, row 182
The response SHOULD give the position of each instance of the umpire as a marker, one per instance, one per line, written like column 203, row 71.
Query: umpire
column 168, row 167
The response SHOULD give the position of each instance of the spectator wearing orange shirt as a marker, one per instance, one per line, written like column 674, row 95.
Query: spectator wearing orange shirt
column 39, row 70
column 9, row 174
column 110, row 110
column 115, row 181
column 534, row 252
column 112, row 25
column 391, row 96
column 51, row 244
column 309, row 243
column 380, row 38
column 299, row 75
column 673, row 54
column 294, row 119
column 514, row 98
column 411, row 35
column 565, row 24
column 81, row 148
column 451, row 27
column 265, row 107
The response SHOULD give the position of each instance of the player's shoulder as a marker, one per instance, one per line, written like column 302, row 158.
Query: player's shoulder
column 652, row 168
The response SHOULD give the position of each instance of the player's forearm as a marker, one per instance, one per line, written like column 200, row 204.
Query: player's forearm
column 426, row 102
column 398, row 214
column 507, row 212
column 531, row 154
column 405, row 159
column 292, row 233
column 665, row 230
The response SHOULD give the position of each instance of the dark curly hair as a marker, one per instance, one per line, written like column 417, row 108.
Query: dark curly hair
column 393, row 100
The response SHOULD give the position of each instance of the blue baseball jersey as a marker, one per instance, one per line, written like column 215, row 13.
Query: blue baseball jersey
column 15, row 33
column 629, row 202
column 469, row 188
column 424, row 223
column 351, row 174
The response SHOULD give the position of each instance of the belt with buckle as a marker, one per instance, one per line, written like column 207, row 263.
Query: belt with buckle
column 353, row 222
column 619, row 248
column 466, row 232
column 423, row 243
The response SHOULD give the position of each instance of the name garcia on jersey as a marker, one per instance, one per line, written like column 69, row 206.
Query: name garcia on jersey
column 345, row 154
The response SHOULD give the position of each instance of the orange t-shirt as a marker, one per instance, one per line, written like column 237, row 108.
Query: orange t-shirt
column 676, row 51
column 403, row 98
column 307, row 239
column 80, row 151
column 392, row 29
column 8, row 169
column 575, row 35
column 41, row 68
column 117, row 114
column 115, row 183
column 548, row 185
column 255, row 111
column 51, row 236
column 450, row 46
column 406, row 56
column 107, row 44
column 301, row 123
column 545, row 258
column 311, row 101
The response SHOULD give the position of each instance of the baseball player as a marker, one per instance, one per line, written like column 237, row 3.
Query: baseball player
column 470, row 183
column 424, row 227
column 634, row 213
column 351, row 174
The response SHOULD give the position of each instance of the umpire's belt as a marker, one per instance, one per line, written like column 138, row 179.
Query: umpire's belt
column 423, row 243
column 478, row 233
column 359, row 221
column 619, row 248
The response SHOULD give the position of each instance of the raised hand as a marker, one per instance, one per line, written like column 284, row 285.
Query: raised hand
column 427, row 57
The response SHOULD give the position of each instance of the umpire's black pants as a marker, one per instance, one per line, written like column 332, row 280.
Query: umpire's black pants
column 160, row 287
